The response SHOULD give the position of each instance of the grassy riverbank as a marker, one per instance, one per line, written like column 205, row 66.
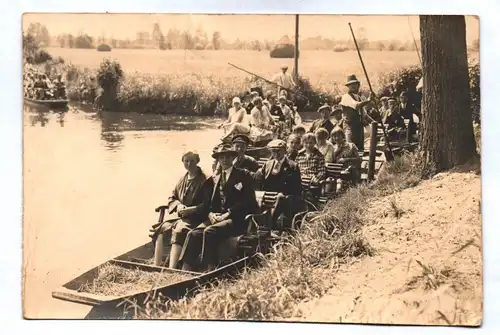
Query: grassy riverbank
column 300, row 268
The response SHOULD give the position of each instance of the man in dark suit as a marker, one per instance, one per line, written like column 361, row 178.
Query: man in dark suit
column 233, row 198
column 282, row 175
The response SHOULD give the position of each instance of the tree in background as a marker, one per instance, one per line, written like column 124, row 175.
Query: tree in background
column 83, row 41
column 157, row 35
column 447, row 135
column 216, row 40
column 363, row 42
column 39, row 33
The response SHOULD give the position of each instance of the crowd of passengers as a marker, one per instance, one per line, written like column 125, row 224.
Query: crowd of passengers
column 205, row 209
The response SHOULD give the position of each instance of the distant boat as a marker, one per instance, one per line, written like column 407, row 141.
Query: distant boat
column 53, row 104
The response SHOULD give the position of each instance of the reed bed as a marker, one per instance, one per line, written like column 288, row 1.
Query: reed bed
column 114, row 280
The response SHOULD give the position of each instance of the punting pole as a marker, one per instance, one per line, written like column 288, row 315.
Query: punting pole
column 296, row 65
column 373, row 149
column 371, row 89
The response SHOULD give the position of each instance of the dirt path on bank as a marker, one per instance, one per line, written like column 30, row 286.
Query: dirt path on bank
column 428, row 263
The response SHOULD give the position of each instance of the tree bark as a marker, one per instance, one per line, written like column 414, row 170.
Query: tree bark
column 447, row 134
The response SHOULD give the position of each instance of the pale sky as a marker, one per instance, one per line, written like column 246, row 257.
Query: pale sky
column 246, row 27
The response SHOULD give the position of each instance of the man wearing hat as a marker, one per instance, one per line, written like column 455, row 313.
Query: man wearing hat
column 337, row 117
column 353, row 112
column 242, row 161
column 282, row 175
column 324, row 122
column 232, row 199
column 284, row 80
column 394, row 121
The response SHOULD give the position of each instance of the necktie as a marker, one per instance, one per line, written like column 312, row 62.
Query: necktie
column 222, row 186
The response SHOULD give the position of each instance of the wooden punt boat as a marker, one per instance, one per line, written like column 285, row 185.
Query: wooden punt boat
column 140, row 259
column 53, row 104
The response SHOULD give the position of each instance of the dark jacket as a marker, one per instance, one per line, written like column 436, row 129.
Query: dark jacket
column 247, row 163
column 321, row 123
column 287, row 181
column 239, row 198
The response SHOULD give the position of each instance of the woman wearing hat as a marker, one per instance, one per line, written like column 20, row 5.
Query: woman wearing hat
column 187, row 208
column 261, row 122
column 353, row 112
column 237, row 122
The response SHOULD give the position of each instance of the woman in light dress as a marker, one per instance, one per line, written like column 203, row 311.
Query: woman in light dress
column 262, row 125
column 237, row 122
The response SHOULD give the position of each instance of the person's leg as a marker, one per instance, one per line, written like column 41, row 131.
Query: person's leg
column 192, row 247
column 212, row 236
column 178, row 238
column 165, row 230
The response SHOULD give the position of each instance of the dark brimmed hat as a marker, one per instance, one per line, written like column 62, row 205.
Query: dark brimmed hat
column 352, row 80
column 276, row 144
column 224, row 149
column 241, row 139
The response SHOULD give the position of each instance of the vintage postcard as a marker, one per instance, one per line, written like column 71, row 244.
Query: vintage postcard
column 305, row 168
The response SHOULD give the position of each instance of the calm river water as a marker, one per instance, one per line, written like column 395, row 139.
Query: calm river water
column 91, row 183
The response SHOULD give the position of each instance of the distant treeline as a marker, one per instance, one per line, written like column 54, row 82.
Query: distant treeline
column 200, row 40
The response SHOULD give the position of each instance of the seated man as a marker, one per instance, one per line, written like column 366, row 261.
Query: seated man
column 232, row 199
column 187, row 208
column 282, row 175
column 311, row 163
column 242, row 161
column 324, row 121
column 337, row 117
column 394, row 121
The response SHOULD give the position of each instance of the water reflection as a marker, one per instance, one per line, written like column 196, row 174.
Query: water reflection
column 114, row 125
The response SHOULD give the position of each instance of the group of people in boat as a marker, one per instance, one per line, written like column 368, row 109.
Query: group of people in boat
column 40, row 86
column 205, row 209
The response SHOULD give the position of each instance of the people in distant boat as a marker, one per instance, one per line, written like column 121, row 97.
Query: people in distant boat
column 39, row 86
column 232, row 199
column 187, row 208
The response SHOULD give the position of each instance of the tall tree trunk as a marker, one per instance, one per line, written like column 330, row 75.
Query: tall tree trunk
column 447, row 134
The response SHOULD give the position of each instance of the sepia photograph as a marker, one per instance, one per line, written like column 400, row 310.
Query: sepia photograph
column 285, row 168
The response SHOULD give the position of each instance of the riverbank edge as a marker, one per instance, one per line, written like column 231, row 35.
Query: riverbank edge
column 300, row 267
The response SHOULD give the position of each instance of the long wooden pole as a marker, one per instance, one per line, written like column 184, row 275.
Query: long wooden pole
column 371, row 89
column 296, row 65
